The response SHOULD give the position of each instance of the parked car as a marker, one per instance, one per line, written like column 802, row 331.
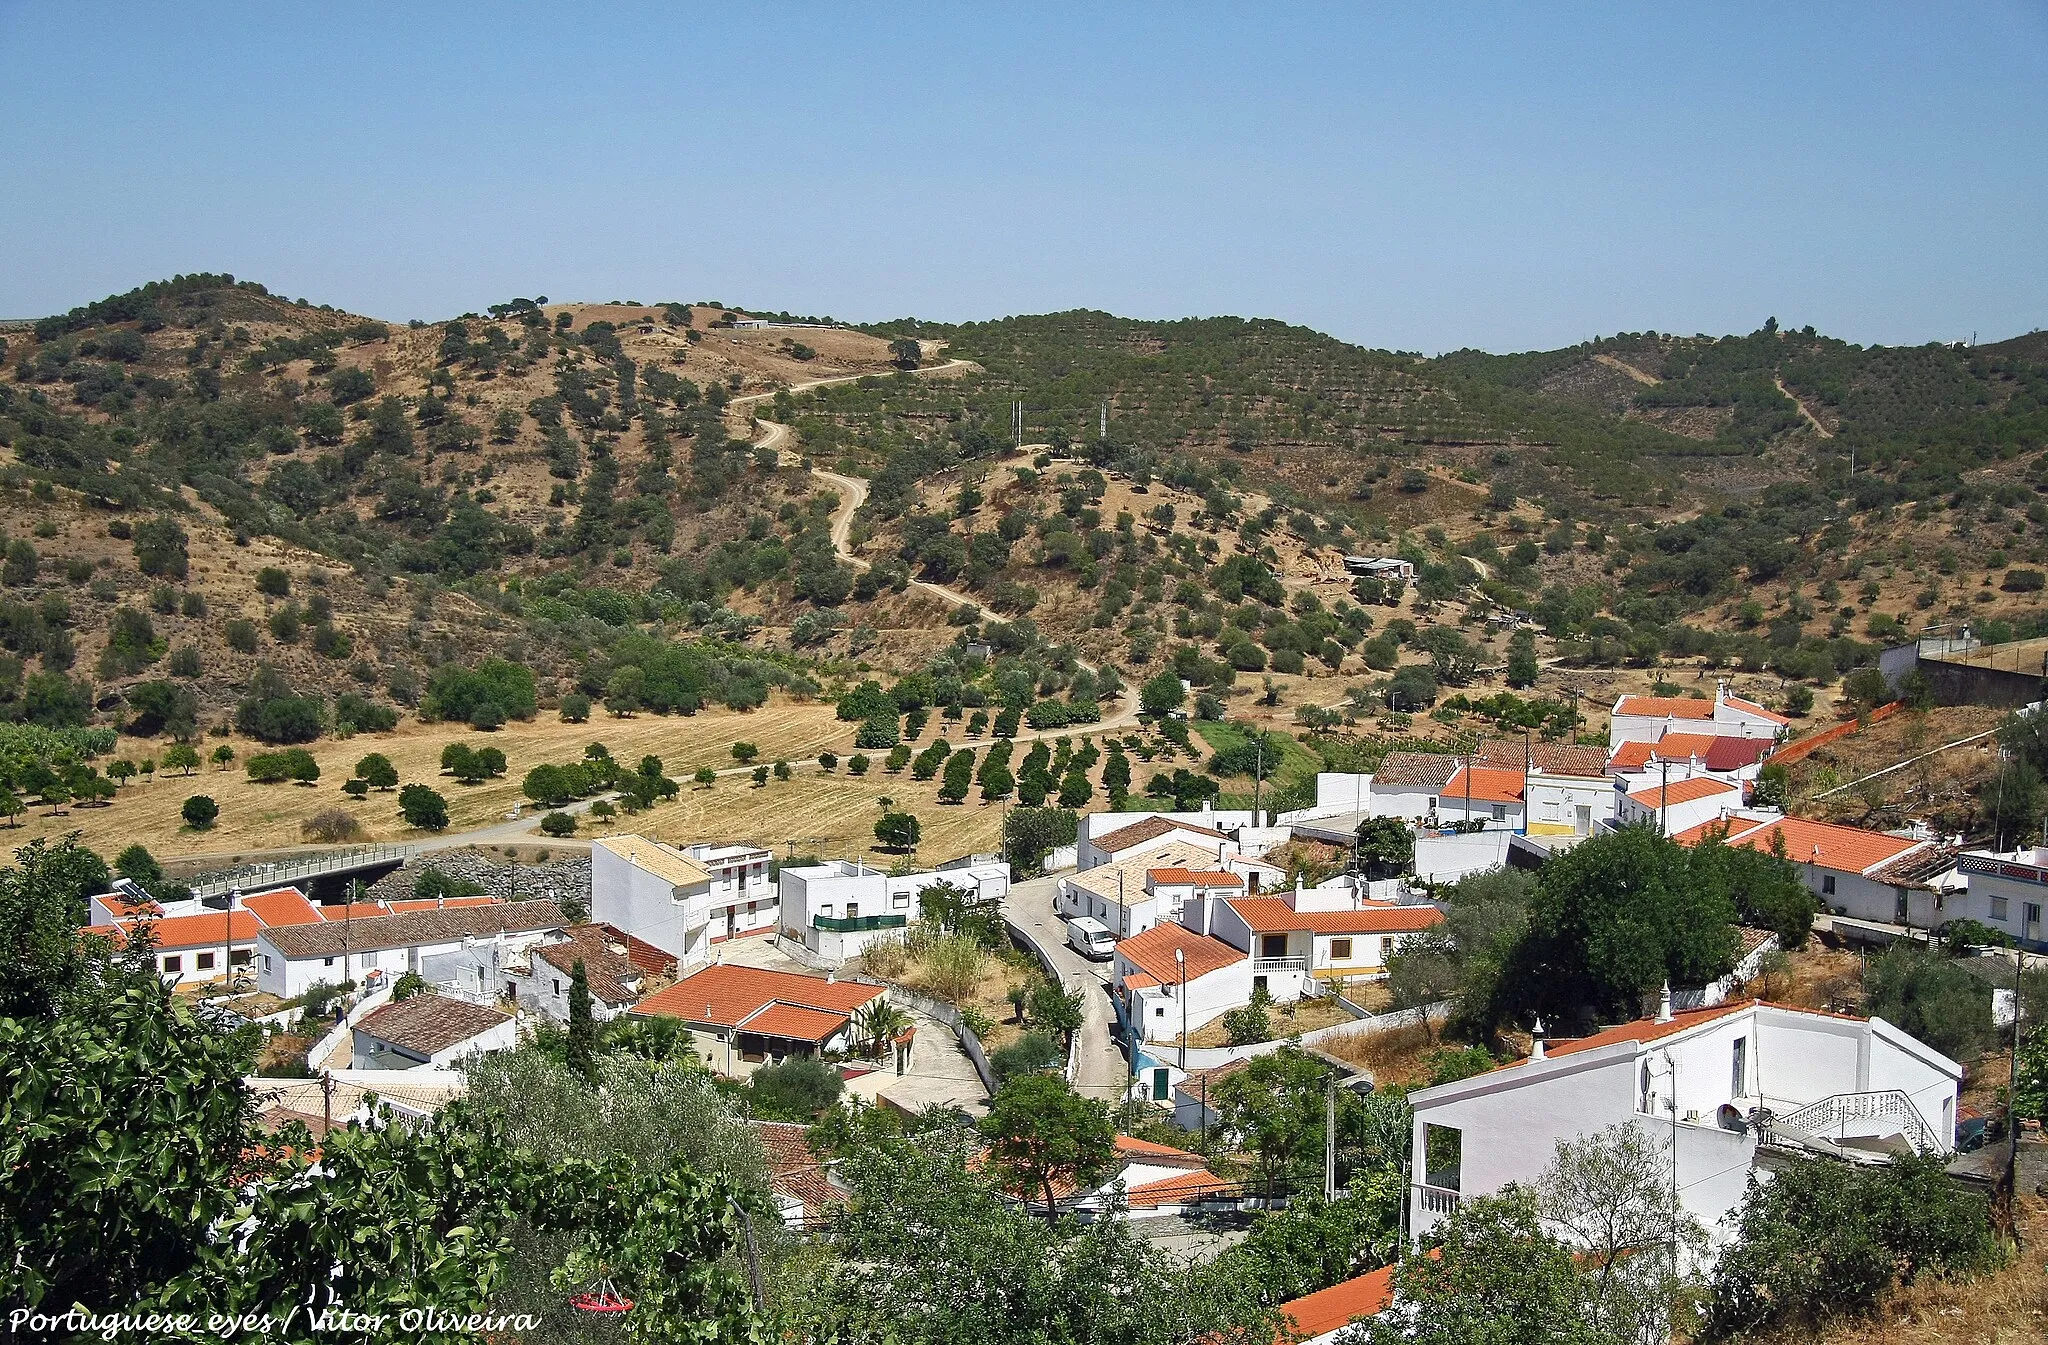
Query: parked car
column 1091, row 938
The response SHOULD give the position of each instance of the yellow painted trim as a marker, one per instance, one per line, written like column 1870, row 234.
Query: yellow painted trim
column 1552, row 829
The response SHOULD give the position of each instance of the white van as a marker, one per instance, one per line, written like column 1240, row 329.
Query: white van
column 1091, row 938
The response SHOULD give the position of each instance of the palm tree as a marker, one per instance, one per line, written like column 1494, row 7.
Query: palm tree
column 878, row 1022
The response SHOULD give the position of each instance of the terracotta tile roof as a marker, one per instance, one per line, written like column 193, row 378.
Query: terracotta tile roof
column 1551, row 758
column 792, row 1022
column 1751, row 939
column 1271, row 915
column 1179, row 1189
column 664, row 862
column 1487, row 786
column 1697, row 787
column 1138, row 980
column 176, row 932
column 1137, row 833
column 1734, row 754
column 422, row 904
column 1631, row 755
column 651, row 961
column 1665, row 707
column 794, row 1168
column 612, row 976
column 1751, row 707
column 1644, row 1030
column 1131, row 1147
column 331, row 937
column 119, row 906
column 1191, row 1083
column 1415, row 770
column 425, row 1024
column 723, row 996
column 282, row 906
column 1326, row 1310
column 1152, row 953
column 1847, row 849
column 1198, row 877
column 1683, row 746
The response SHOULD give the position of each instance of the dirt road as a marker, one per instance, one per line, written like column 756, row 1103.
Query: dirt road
column 1811, row 419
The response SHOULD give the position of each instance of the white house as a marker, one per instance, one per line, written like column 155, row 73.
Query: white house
column 429, row 1030
column 1122, row 895
column 1672, row 806
column 836, row 909
column 1105, row 838
column 1557, row 803
column 1488, row 795
column 1731, row 758
column 462, row 948
column 1734, row 1088
column 543, row 984
column 656, row 893
column 1298, row 940
column 1152, row 1180
column 1390, row 568
column 1407, row 784
column 1649, row 718
column 1170, row 977
column 1867, row 875
column 742, row 1017
column 743, row 892
column 2006, row 891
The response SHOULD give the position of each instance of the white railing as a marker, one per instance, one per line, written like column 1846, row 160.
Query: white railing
column 1437, row 1199
column 262, row 876
column 1262, row 965
column 1836, row 1117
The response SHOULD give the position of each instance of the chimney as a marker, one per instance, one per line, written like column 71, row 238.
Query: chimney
column 1721, row 692
column 234, row 898
column 1536, row 1042
column 1664, row 1003
column 830, row 976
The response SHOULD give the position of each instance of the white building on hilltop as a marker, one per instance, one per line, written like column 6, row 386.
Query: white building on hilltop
column 1647, row 719
column 1733, row 1089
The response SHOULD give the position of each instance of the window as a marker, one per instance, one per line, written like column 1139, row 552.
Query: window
column 1272, row 945
column 825, row 909
column 1340, row 950
column 558, row 984
column 901, row 901
column 326, row 961
column 266, row 964
column 2000, row 909
column 1739, row 1076
column 1159, row 1011
column 174, row 963
column 203, row 961
column 1500, row 812
column 240, row 957
column 1827, row 884
column 2033, row 913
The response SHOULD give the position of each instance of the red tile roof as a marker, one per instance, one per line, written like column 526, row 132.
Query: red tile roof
column 1734, row 754
column 429, row 1023
column 1145, row 1151
column 651, row 961
column 1326, row 1310
column 794, row 1168
column 1137, row 833
column 1198, row 877
column 1665, row 707
column 1152, row 953
column 611, row 976
column 1178, row 1190
column 1751, row 707
column 1661, row 795
column 1270, row 915
column 121, row 906
column 1487, row 785
column 1631, row 755
column 1510, row 754
column 177, row 932
column 1847, row 849
column 1644, row 1030
column 282, row 906
column 423, row 904
column 722, row 996
column 794, row 1023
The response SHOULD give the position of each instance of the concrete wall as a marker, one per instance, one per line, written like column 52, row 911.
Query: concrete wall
column 1445, row 859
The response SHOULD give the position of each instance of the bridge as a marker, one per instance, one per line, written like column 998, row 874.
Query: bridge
column 323, row 875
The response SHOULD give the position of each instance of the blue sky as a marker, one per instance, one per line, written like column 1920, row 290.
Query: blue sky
column 1412, row 176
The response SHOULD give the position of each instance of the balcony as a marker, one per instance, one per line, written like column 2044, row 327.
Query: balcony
column 1263, row 966
column 1437, row 1200
column 857, row 924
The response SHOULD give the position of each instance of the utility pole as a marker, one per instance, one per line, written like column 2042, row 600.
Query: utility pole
column 1180, row 961
column 2006, row 1195
column 326, row 1102
column 1330, row 1138
column 1258, row 775
column 1664, row 799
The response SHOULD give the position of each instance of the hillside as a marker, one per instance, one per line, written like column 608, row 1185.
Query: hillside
column 217, row 502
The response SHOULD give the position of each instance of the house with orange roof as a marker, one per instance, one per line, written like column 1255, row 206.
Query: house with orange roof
column 198, row 941
column 1123, row 895
column 1728, row 1091
column 1649, row 718
column 1865, row 875
column 1674, row 805
column 1299, row 940
column 1150, row 1180
column 1489, row 795
column 1321, row 1317
column 1171, row 977
column 745, row 1017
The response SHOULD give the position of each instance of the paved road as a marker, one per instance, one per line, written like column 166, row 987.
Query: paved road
column 1102, row 1071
